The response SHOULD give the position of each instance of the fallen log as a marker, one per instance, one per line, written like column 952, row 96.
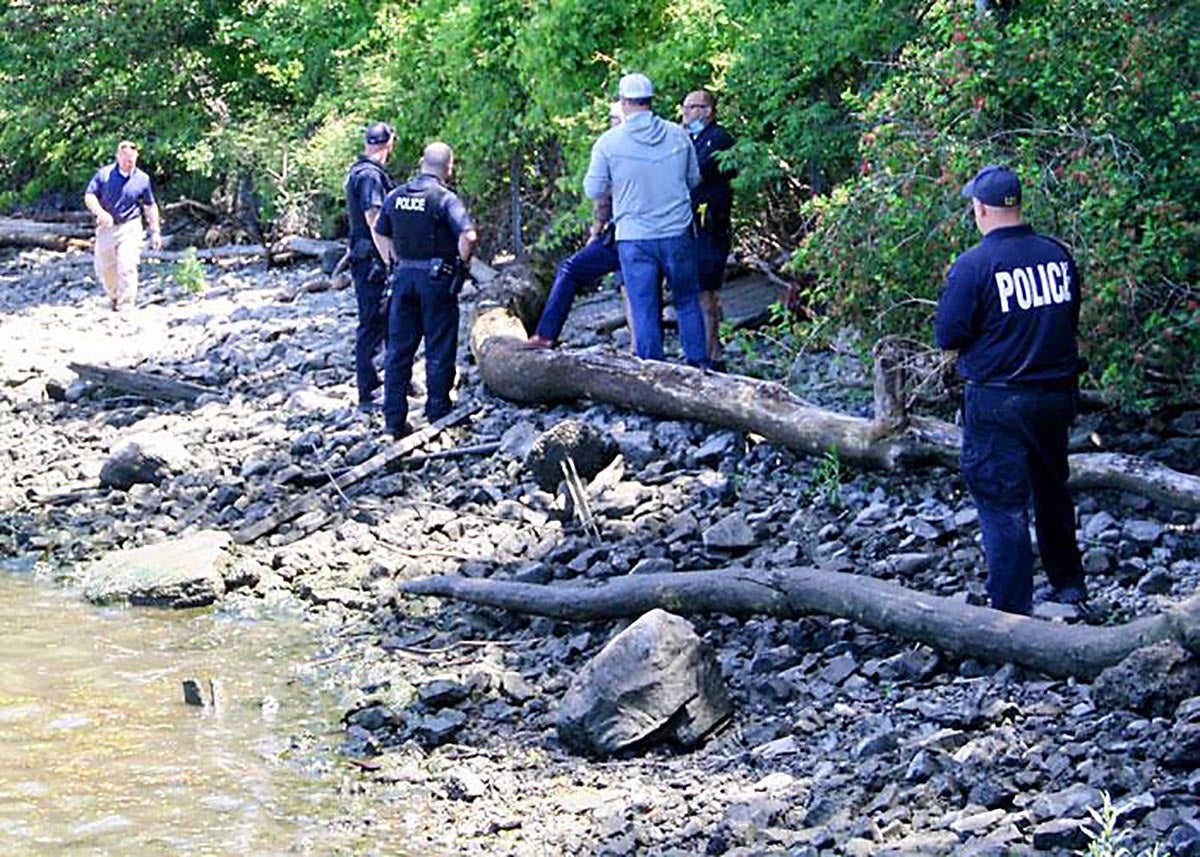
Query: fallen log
column 314, row 502
column 250, row 252
column 959, row 629
column 516, row 372
column 142, row 383
column 19, row 226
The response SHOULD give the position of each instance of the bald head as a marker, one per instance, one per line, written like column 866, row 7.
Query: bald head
column 438, row 159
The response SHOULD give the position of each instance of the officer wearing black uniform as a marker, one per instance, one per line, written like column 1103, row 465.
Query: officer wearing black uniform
column 428, row 238
column 367, row 183
column 1010, row 307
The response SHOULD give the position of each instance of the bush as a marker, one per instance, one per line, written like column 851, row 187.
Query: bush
column 1089, row 104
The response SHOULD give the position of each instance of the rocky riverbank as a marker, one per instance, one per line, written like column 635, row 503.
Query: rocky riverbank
column 842, row 740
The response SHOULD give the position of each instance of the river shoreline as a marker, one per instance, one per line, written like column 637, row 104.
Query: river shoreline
column 843, row 740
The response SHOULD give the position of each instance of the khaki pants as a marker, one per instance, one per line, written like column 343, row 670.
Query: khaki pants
column 118, row 249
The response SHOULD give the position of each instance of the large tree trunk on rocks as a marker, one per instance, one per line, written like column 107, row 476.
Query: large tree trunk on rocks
column 953, row 627
column 516, row 372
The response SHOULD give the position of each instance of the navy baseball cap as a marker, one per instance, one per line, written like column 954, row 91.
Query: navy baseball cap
column 995, row 185
column 379, row 133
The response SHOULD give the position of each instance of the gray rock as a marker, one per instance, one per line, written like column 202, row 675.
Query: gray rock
column 655, row 675
column 653, row 565
column 1099, row 561
column 590, row 448
column 442, row 693
column 1096, row 525
column 144, row 458
column 717, row 446
column 437, row 729
column 1072, row 802
column 186, row 572
column 1157, row 581
column 465, row 784
column 1144, row 532
column 517, row 440
column 1183, row 748
column 1151, row 681
column 731, row 533
column 1059, row 834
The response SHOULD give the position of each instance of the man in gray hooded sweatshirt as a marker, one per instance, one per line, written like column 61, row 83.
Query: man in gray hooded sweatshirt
column 650, row 166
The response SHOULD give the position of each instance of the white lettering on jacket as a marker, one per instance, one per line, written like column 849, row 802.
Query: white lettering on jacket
column 1049, row 285
column 410, row 203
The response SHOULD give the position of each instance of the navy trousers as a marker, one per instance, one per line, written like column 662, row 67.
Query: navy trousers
column 585, row 266
column 372, row 327
column 420, row 307
column 1015, row 451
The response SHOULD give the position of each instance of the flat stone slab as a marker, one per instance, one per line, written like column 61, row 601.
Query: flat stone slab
column 184, row 572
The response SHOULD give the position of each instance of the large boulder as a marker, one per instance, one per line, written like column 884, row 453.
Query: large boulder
column 185, row 572
column 590, row 448
column 144, row 458
column 655, row 678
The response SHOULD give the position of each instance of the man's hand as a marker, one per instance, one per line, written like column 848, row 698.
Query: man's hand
column 103, row 218
column 155, row 239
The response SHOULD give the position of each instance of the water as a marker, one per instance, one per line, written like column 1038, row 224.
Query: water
column 99, row 754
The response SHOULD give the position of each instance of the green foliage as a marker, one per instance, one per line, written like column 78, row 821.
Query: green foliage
column 1106, row 838
column 189, row 272
column 825, row 483
column 1088, row 103
column 881, row 108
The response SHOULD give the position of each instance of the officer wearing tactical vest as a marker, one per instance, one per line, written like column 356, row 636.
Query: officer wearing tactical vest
column 1010, row 307
column 427, row 239
column 367, row 183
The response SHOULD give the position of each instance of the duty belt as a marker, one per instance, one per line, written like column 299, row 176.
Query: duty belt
column 414, row 264
column 1047, row 385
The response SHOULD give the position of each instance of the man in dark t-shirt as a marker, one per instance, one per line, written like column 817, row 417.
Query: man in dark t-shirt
column 117, row 196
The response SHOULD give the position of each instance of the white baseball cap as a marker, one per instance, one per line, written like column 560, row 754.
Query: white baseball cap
column 635, row 86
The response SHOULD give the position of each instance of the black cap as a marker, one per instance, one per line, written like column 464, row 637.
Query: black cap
column 379, row 133
column 995, row 185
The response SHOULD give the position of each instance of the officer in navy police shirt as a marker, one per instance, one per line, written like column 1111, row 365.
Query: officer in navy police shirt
column 427, row 238
column 1010, row 307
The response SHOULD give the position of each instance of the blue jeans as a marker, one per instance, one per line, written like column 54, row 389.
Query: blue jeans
column 587, row 265
column 420, row 307
column 643, row 265
column 372, row 325
column 1014, row 449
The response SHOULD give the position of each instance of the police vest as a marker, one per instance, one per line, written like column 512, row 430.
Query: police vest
column 419, row 228
column 363, row 170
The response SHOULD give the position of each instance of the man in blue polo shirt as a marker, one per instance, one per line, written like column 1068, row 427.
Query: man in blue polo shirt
column 117, row 196
column 1010, row 307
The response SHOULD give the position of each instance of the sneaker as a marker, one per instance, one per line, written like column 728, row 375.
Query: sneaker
column 1070, row 594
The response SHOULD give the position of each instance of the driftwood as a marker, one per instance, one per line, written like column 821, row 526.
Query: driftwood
column 314, row 502
column 247, row 252
column 514, row 371
column 142, row 383
column 959, row 629
column 35, row 233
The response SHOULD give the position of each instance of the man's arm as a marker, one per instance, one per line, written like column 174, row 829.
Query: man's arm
column 598, row 180
column 953, row 327
column 152, row 220
column 382, row 243
column 467, row 239
column 103, row 218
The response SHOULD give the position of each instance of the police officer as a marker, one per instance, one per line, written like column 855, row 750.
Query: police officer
column 367, row 183
column 1010, row 307
column 712, row 206
column 427, row 239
